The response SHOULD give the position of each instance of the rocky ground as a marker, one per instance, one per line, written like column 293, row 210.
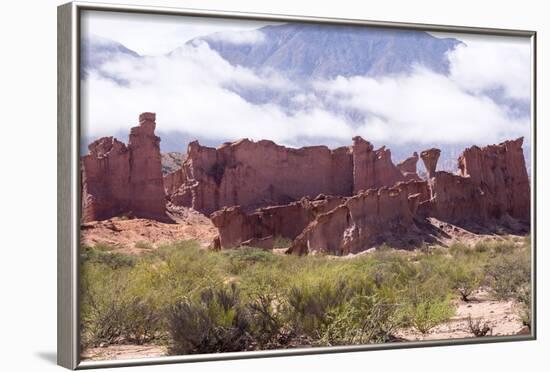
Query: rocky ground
column 137, row 235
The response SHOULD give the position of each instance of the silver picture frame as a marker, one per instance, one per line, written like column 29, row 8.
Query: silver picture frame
column 68, row 182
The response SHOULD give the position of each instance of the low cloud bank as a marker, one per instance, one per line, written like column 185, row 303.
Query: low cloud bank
column 191, row 91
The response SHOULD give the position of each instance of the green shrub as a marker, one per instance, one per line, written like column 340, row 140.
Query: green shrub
column 200, row 301
column 215, row 322
column 242, row 258
column 143, row 245
column 104, row 256
column 428, row 313
column 111, row 310
column 267, row 321
column 508, row 274
column 465, row 278
column 427, row 302
column 282, row 242
column 524, row 298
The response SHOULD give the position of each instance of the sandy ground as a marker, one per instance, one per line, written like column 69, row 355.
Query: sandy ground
column 138, row 235
column 116, row 352
column 500, row 316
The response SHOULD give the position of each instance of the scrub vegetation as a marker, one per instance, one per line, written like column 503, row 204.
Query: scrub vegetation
column 193, row 300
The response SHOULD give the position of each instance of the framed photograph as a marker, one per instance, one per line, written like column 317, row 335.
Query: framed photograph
column 235, row 185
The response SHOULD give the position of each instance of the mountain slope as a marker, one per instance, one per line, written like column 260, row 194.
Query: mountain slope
column 326, row 51
column 95, row 51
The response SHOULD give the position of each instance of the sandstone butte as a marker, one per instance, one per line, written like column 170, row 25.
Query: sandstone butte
column 338, row 201
column 119, row 179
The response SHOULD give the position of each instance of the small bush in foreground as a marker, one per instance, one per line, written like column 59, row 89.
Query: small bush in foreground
column 428, row 313
column 215, row 323
column 465, row 278
column 508, row 274
column 478, row 328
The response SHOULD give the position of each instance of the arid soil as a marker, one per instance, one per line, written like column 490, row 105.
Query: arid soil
column 500, row 316
column 138, row 235
column 115, row 352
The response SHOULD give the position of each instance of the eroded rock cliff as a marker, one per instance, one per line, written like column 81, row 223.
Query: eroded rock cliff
column 255, row 174
column 361, row 222
column 262, row 227
column 337, row 201
column 119, row 179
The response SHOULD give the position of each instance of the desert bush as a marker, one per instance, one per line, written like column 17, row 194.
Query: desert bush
column 478, row 328
column 482, row 247
column 282, row 242
column 428, row 313
column 104, row 247
column 241, row 258
column 362, row 320
column 310, row 303
column 103, row 255
column 508, row 274
column 199, row 301
column 524, row 298
column 465, row 278
column 143, row 245
column 214, row 322
column 457, row 248
column 427, row 302
column 504, row 246
column 267, row 321
column 111, row 310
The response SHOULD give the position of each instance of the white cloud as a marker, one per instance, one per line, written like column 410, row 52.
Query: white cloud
column 239, row 37
column 150, row 34
column 190, row 91
column 485, row 64
column 423, row 107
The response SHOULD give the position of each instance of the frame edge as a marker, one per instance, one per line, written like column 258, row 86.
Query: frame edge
column 66, row 340
column 68, row 127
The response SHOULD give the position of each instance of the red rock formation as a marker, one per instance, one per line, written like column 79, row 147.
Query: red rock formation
column 118, row 179
column 456, row 200
column 430, row 158
column 372, row 168
column 256, row 174
column 105, row 174
column 491, row 189
column 361, row 222
column 491, row 186
column 261, row 227
column 500, row 171
column 408, row 168
column 146, row 182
